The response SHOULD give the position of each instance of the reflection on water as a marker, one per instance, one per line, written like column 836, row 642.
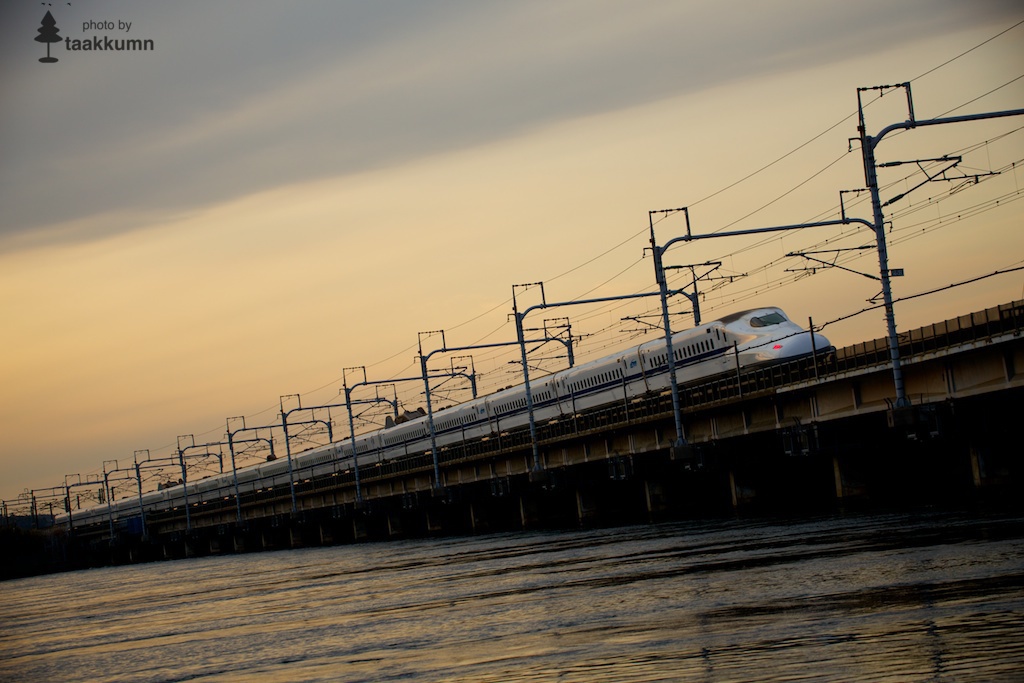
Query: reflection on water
column 932, row 597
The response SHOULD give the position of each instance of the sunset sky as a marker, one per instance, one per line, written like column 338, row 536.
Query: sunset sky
column 278, row 191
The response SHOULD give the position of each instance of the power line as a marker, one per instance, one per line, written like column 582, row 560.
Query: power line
column 966, row 52
column 920, row 294
column 742, row 294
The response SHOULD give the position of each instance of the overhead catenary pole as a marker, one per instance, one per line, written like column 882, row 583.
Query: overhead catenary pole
column 287, row 442
column 446, row 349
column 663, row 293
column 522, row 345
column 868, row 144
column 288, row 452
column 876, row 225
column 430, row 408
column 184, row 486
column 351, row 420
column 154, row 463
column 106, row 489
column 184, row 474
column 67, row 491
column 138, row 478
column 234, row 464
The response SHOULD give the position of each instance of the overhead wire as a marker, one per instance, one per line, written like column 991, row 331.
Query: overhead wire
column 741, row 294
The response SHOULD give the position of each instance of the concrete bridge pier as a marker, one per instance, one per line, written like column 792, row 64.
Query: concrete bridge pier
column 433, row 522
column 848, row 483
column 295, row 536
column 359, row 530
column 185, row 549
column 991, row 466
column 655, row 499
column 586, row 506
column 741, row 492
column 529, row 515
column 393, row 519
column 977, row 467
column 983, row 474
column 476, row 521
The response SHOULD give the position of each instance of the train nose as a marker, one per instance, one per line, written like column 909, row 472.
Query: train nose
column 816, row 343
column 802, row 345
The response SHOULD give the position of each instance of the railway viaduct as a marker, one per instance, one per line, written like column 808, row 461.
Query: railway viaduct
column 807, row 434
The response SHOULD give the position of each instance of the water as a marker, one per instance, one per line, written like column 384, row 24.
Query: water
column 895, row 597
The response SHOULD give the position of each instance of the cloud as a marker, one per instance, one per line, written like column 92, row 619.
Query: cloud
column 242, row 97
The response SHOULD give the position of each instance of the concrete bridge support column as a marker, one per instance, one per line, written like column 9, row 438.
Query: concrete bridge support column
column 984, row 471
column 527, row 512
column 741, row 494
column 475, row 521
column 433, row 523
column 654, row 496
column 586, row 507
column 847, row 484
column 359, row 531
column 838, row 474
column 394, row 521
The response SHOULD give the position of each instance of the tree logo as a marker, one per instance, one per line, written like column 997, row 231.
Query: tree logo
column 48, row 33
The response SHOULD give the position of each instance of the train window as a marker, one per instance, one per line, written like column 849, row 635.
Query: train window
column 766, row 320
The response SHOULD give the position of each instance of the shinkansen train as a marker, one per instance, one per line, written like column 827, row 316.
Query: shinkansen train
column 749, row 339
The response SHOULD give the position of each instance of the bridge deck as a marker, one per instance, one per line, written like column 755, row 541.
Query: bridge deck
column 848, row 381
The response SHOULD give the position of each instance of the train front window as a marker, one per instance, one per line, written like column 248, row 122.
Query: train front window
column 766, row 320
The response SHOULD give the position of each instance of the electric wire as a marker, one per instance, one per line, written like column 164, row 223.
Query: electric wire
column 742, row 294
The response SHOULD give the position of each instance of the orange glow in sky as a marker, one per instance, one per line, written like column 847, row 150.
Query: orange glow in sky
column 260, row 202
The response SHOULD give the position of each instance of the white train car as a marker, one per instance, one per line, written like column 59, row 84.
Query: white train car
column 745, row 339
